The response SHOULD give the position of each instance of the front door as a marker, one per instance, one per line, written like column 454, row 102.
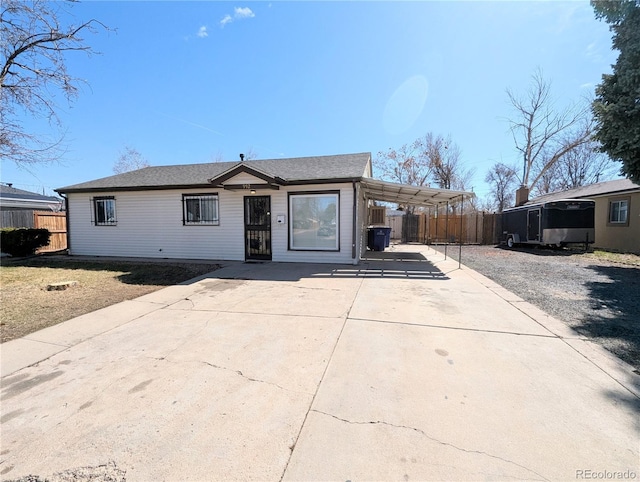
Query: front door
column 257, row 227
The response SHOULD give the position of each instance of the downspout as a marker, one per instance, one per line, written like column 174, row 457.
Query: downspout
column 354, row 232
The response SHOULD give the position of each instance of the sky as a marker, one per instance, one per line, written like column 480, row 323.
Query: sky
column 195, row 82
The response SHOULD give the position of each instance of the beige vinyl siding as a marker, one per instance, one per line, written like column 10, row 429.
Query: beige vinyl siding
column 244, row 178
column 149, row 224
column 624, row 238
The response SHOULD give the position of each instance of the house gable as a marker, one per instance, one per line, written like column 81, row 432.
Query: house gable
column 245, row 177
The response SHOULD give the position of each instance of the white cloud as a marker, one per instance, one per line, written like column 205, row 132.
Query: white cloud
column 244, row 12
column 202, row 32
column 239, row 13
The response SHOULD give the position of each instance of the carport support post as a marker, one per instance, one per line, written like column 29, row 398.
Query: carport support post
column 446, row 230
column 436, row 236
column 460, row 248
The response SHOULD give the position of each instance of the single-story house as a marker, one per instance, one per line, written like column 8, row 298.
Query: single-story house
column 310, row 209
column 617, row 212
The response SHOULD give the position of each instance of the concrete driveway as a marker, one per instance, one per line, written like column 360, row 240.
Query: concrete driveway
column 405, row 368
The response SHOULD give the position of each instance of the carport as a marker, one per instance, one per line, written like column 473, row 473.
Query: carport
column 405, row 194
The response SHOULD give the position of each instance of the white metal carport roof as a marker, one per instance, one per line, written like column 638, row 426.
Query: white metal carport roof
column 407, row 194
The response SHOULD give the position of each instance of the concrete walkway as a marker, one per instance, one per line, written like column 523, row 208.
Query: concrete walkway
column 404, row 368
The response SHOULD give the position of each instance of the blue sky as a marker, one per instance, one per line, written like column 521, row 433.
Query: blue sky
column 189, row 82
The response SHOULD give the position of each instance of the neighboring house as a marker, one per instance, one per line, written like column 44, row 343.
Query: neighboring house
column 311, row 209
column 17, row 207
column 12, row 199
column 617, row 213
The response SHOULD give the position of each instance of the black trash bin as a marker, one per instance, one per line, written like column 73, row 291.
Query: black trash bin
column 376, row 238
column 370, row 237
column 387, row 236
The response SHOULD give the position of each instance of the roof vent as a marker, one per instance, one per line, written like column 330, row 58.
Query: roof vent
column 241, row 157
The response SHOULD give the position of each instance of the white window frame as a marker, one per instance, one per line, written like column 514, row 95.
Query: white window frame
column 100, row 210
column 293, row 222
column 201, row 199
column 619, row 216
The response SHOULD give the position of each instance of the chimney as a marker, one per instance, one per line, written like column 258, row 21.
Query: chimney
column 241, row 157
column 522, row 195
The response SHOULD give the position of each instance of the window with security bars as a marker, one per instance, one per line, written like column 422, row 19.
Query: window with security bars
column 104, row 209
column 200, row 209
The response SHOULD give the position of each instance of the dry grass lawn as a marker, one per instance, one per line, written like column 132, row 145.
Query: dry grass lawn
column 26, row 305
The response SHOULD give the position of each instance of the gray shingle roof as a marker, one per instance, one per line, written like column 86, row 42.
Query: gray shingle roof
column 293, row 170
column 9, row 192
column 619, row 186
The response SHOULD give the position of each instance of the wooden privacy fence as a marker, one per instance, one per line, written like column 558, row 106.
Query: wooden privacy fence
column 468, row 228
column 16, row 219
column 56, row 223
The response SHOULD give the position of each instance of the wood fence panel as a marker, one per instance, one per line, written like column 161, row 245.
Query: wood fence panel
column 474, row 228
column 16, row 219
column 377, row 215
column 56, row 223
column 395, row 223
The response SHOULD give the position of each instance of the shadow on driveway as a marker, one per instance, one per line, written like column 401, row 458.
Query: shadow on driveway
column 387, row 265
column 620, row 296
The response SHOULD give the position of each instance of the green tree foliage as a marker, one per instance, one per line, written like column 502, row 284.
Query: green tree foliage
column 617, row 104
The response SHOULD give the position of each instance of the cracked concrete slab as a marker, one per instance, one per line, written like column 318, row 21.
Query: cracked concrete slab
column 158, row 393
column 484, row 404
column 376, row 450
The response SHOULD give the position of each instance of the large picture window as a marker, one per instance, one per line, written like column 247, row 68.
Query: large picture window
column 104, row 209
column 314, row 221
column 198, row 209
column 619, row 212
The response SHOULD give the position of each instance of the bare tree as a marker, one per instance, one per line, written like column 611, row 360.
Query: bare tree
column 584, row 165
column 548, row 182
column 406, row 165
column 431, row 159
column 503, row 180
column 33, row 46
column 217, row 157
column 444, row 157
column 542, row 134
column 581, row 166
column 250, row 154
column 129, row 160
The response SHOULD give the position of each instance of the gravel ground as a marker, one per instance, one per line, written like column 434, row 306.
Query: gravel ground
column 597, row 297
